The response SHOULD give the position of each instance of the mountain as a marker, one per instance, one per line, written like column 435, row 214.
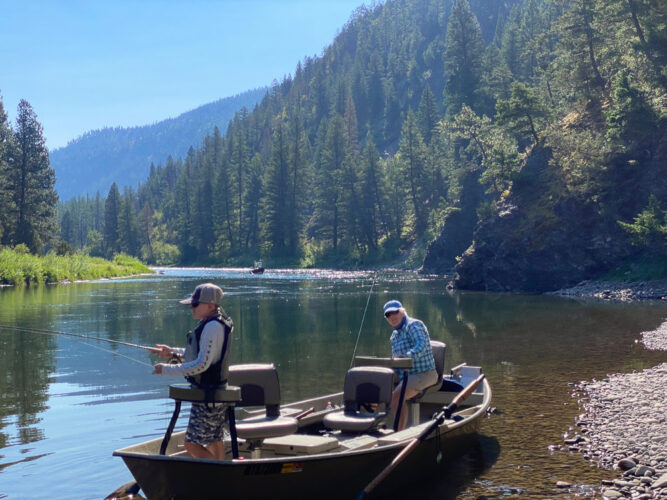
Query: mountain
column 99, row 158
column 522, row 142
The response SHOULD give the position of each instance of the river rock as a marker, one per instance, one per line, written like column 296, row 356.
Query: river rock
column 626, row 464
column 625, row 425
column 661, row 482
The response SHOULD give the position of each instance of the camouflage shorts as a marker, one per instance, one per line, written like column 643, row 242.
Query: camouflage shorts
column 206, row 424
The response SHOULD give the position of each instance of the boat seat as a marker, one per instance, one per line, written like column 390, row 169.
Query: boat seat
column 439, row 350
column 260, row 387
column 366, row 388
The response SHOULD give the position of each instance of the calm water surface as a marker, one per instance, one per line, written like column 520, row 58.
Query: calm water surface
column 66, row 403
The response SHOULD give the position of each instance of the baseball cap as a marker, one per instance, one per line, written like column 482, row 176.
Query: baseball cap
column 207, row 293
column 392, row 305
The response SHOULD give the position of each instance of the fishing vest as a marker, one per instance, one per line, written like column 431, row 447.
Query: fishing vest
column 216, row 374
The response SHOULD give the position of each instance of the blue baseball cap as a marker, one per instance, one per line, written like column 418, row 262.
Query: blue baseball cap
column 392, row 305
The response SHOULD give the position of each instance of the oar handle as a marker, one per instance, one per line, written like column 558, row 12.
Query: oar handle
column 463, row 395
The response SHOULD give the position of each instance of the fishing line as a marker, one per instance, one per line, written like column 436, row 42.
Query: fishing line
column 112, row 352
column 362, row 322
column 86, row 337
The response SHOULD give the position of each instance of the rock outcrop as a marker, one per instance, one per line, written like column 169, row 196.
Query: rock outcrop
column 543, row 237
column 457, row 231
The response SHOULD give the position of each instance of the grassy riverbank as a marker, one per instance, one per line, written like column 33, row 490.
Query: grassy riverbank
column 19, row 268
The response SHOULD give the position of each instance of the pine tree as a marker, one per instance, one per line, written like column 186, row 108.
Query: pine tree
column 128, row 230
column 33, row 183
column 328, row 215
column 299, row 164
column 7, row 149
column 463, row 58
column 522, row 112
column 427, row 113
column 277, row 192
column 372, row 209
column 414, row 161
column 111, row 233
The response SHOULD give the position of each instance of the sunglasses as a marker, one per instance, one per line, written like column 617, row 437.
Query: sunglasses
column 194, row 304
column 390, row 313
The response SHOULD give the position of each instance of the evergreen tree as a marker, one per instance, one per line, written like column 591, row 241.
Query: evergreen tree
column 128, row 230
column 427, row 113
column 252, row 204
column 67, row 230
column 629, row 117
column 372, row 209
column 328, row 214
column 581, row 40
column 299, row 161
column 184, row 206
column 649, row 229
column 522, row 112
column 223, row 202
column 7, row 149
column 511, row 43
column 33, row 183
column 463, row 58
column 146, row 233
column 111, row 233
column 414, row 161
column 277, row 193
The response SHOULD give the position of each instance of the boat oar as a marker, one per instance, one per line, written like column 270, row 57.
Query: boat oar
column 126, row 491
column 438, row 419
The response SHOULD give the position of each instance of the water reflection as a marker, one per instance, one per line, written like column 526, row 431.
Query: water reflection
column 66, row 404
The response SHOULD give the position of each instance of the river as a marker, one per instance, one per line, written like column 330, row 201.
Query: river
column 66, row 403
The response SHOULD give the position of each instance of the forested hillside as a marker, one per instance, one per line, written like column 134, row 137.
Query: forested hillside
column 495, row 131
column 97, row 159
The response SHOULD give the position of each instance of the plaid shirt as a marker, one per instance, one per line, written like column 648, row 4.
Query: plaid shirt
column 411, row 339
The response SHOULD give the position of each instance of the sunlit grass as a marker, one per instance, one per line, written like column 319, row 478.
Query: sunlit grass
column 19, row 268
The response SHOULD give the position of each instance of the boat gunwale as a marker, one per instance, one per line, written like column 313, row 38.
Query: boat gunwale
column 445, row 428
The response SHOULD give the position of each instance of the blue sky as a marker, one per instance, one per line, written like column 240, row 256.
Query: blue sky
column 85, row 65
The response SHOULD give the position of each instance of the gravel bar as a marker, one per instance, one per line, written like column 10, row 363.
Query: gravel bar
column 618, row 290
column 624, row 427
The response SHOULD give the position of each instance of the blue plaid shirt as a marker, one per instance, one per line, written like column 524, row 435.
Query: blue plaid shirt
column 411, row 339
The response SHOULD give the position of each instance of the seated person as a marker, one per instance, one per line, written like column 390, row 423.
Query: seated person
column 410, row 339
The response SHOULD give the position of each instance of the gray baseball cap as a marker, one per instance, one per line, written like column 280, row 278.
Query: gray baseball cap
column 207, row 293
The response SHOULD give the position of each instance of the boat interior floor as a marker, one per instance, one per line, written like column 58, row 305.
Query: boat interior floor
column 313, row 438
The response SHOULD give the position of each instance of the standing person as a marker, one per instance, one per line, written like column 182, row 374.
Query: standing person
column 410, row 339
column 204, row 363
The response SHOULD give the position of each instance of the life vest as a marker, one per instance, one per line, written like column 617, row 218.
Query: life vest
column 216, row 374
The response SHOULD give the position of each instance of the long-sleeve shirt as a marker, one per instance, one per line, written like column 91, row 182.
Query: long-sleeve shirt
column 411, row 339
column 210, row 348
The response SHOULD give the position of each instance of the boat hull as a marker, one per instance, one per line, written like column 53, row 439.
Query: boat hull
column 324, row 475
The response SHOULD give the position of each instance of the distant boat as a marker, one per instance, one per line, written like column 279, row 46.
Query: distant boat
column 258, row 269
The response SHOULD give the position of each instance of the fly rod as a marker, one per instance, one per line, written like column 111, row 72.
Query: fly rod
column 370, row 292
column 87, row 337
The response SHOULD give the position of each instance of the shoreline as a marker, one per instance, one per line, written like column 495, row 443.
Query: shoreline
column 617, row 290
column 624, row 426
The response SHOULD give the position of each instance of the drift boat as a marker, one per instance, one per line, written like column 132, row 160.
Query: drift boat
column 340, row 445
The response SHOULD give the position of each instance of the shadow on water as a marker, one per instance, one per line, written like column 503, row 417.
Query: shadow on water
column 453, row 476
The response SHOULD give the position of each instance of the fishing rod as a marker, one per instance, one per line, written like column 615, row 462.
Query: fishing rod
column 362, row 322
column 86, row 337
column 110, row 352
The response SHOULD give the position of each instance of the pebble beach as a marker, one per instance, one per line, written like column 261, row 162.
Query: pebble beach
column 624, row 427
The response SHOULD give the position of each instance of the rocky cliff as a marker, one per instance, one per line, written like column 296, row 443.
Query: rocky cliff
column 543, row 237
